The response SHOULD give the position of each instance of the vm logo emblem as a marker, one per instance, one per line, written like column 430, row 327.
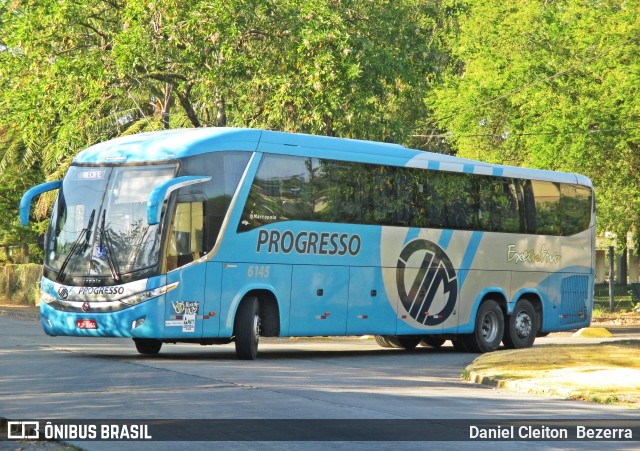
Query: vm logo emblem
column 425, row 274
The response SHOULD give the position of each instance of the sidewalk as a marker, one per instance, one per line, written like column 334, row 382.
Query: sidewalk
column 24, row 312
column 605, row 371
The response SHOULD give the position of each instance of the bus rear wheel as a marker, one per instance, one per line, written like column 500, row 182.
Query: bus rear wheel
column 522, row 328
column 147, row 346
column 489, row 328
column 247, row 329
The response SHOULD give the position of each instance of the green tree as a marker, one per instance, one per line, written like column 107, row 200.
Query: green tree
column 550, row 85
column 333, row 67
column 77, row 72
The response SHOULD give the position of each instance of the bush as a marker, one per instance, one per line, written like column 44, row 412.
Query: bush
column 20, row 284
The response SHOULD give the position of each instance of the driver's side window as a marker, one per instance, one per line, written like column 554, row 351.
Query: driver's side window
column 186, row 235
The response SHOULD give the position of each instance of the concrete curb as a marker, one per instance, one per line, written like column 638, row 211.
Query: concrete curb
column 593, row 332
column 525, row 386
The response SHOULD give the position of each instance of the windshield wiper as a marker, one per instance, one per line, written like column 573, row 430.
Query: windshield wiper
column 105, row 243
column 86, row 232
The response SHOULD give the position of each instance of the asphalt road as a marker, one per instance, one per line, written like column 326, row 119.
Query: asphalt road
column 45, row 377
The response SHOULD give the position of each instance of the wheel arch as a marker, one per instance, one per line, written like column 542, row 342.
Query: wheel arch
column 496, row 294
column 493, row 293
column 269, row 311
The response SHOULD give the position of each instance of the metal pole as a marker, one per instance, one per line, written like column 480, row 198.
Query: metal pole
column 611, row 279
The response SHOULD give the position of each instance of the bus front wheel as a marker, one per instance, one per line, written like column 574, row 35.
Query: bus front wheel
column 489, row 328
column 381, row 340
column 404, row 342
column 459, row 344
column 147, row 346
column 398, row 342
column 522, row 327
column 432, row 341
column 247, row 329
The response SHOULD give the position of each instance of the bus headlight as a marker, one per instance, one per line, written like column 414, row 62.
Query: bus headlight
column 137, row 322
column 47, row 298
column 144, row 296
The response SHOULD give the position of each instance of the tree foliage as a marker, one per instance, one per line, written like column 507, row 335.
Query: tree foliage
column 547, row 84
column 554, row 85
column 77, row 72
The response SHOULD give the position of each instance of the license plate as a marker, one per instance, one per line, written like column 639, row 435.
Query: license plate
column 86, row 324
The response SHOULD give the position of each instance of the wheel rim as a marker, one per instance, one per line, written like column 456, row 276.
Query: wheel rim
column 490, row 327
column 523, row 325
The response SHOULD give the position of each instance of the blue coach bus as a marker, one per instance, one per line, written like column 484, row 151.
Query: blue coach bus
column 217, row 235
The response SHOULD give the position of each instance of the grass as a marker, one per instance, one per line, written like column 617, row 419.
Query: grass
column 626, row 308
column 616, row 318
column 625, row 312
column 607, row 373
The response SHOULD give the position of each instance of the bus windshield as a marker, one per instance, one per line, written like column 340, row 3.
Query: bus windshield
column 99, row 222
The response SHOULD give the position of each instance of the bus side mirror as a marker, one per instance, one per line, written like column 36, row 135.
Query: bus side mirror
column 25, row 202
column 163, row 190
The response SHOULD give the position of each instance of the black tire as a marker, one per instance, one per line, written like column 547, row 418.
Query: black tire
column 247, row 329
column 489, row 328
column 147, row 346
column 522, row 328
column 402, row 342
column 382, row 341
column 432, row 341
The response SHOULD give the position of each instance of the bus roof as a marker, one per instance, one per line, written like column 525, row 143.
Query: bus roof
column 179, row 143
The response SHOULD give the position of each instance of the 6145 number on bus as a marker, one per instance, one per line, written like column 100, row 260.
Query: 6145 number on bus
column 259, row 271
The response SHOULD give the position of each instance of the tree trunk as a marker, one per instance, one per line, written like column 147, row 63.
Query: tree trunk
column 167, row 104
column 183, row 97
column 623, row 267
column 24, row 252
column 7, row 252
column 221, row 118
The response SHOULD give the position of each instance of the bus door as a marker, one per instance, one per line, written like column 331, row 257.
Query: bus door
column 370, row 311
column 319, row 300
column 185, row 309
column 185, row 304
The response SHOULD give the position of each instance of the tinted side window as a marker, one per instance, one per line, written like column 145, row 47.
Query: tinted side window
column 575, row 204
column 285, row 188
column 225, row 169
column 546, row 197
column 451, row 200
column 499, row 209
column 312, row 189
